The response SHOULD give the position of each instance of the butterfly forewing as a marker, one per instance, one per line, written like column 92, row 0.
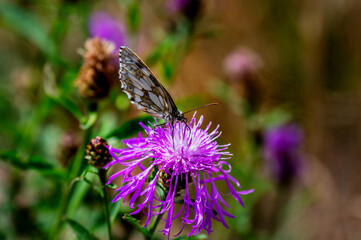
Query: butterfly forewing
column 141, row 86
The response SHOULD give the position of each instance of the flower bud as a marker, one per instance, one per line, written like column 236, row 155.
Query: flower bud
column 97, row 153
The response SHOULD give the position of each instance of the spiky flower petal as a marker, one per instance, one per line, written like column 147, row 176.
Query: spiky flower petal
column 188, row 158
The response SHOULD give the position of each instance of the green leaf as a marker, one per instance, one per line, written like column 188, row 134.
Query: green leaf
column 80, row 231
column 275, row 117
column 169, row 68
column 38, row 162
column 27, row 25
column 135, row 223
column 134, row 15
column 114, row 210
column 33, row 163
column 228, row 95
column 68, row 105
column 89, row 121
column 129, row 128
column 196, row 237
column 117, row 208
column 13, row 157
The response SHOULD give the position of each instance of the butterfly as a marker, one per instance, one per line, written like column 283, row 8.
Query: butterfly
column 144, row 90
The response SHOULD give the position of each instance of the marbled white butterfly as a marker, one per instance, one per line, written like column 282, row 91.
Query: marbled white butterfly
column 144, row 90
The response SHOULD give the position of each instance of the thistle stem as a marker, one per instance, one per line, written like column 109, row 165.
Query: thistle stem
column 154, row 226
column 102, row 177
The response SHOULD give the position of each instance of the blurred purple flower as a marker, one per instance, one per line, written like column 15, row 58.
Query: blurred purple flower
column 105, row 27
column 282, row 150
column 177, row 5
column 241, row 63
column 182, row 156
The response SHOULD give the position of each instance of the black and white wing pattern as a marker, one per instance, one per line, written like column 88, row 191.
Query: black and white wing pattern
column 143, row 89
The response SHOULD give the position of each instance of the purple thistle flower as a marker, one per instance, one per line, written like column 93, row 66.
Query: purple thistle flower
column 105, row 27
column 177, row 5
column 241, row 63
column 282, row 150
column 188, row 158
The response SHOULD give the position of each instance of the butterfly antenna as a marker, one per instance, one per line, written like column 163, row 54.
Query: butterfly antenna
column 207, row 105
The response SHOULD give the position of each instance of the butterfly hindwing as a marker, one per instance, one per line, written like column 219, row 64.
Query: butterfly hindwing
column 141, row 86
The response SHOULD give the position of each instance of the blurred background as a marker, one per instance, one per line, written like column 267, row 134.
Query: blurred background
column 286, row 75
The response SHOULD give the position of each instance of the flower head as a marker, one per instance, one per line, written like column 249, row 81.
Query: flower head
column 186, row 158
column 191, row 9
column 177, row 5
column 241, row 63
column 104, row 26
column 242, row 67
column 97, row 153
column 97, row 72
column 282, row 150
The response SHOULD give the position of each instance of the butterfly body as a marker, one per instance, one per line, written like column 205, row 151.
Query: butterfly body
column 144, row 90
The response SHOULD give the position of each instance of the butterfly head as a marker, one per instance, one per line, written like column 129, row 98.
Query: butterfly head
column 176, row 116
column 180, row 117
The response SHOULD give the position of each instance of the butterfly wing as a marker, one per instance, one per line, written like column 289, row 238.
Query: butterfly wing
column 141, row 86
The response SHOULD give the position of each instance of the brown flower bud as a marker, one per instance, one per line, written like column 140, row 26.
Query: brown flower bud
column 98, row 70
column 97, row 153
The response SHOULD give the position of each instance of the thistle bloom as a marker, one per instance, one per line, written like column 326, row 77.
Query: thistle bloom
column 104, row 26
column 187, row 158
column 282, row 150
column 242, row 66
column 242, row 63
column 177, row 5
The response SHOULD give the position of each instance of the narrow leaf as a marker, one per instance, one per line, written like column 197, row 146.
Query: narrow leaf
column 27, row 25
column 34, row 162
column 13, row 157
column 134, row 15
column 80, row 231
column 68, row 105
column 135, row 223
column 196, row 237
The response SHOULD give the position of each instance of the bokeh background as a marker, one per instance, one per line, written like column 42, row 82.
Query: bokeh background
column 286, row 75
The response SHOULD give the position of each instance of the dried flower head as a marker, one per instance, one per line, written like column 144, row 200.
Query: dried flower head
column 189, row 162
column 98, row 71
column 97, row 153
column 104, row 26
column 282, row 150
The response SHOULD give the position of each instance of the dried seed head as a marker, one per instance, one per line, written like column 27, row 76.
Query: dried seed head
column 98, row 70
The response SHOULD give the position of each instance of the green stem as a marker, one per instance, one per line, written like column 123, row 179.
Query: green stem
column 66, row 189
column 102, row 176
column 154, row 226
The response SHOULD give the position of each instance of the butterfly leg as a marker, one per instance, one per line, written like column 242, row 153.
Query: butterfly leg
column 160, row 125
column 173, row 133
column 187, row 126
